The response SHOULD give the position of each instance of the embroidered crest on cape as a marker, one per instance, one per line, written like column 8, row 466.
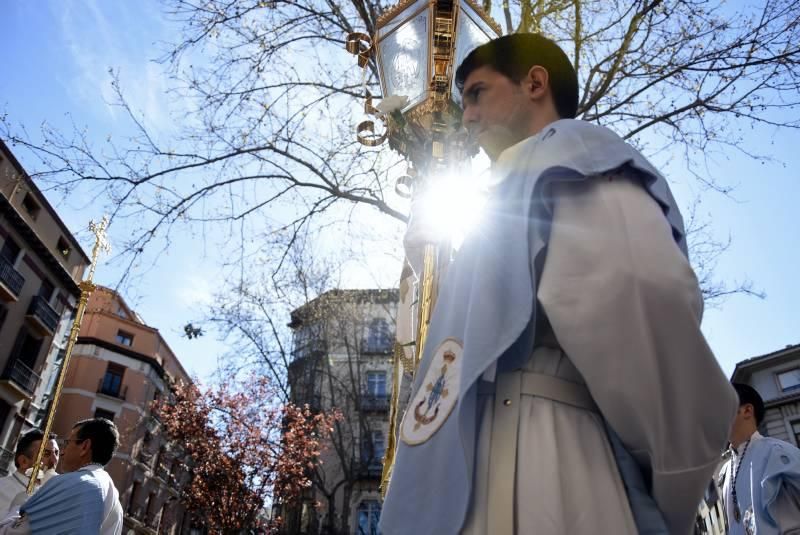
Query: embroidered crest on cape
column 437, row 395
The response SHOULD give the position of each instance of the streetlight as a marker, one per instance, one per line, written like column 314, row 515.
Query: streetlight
column 417, row 46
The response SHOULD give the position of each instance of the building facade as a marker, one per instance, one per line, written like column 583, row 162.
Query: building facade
column 41, row 264
column 119, row 367
column 342, row 359
column 776, row 376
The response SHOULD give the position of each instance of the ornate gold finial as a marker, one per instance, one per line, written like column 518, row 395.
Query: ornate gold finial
column 100, row 243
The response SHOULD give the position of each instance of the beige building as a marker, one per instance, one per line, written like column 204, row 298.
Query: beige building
column 119, row 367
column 40, row 266
column 342, row 358
column 776, row 376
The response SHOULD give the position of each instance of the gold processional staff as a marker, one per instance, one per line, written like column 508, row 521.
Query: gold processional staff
column 416, row 47
column 86, row 287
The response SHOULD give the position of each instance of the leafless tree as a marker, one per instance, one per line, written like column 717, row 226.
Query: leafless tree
column 334, row 341
column 265, row 143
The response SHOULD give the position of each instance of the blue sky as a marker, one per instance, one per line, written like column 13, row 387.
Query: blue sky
column 56, row 60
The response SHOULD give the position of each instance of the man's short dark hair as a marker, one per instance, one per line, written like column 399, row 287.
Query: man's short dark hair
column 514, row 55
column 104, row 436
column 750, row 396
column 25, row 444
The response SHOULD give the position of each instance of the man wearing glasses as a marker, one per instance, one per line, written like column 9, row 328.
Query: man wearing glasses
column 84, row 498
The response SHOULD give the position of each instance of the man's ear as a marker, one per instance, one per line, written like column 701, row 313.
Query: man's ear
column 86, row 447
column 537, row 82
column 749, row 410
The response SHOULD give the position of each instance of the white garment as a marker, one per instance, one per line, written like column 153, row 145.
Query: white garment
column 112, row 510
column 617, row 291
column 10, row 487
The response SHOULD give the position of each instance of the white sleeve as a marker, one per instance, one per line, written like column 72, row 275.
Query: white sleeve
column 15, row 525
column 625, row 306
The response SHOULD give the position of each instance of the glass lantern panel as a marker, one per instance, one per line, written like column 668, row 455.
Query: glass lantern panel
column 403, row 58
column 412, row 9
column 471, row 32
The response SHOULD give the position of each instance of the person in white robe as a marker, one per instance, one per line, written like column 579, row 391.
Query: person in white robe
column 761, row 480
column 606, row 369
column 84, row 498
column 47, row 471
column 13, row 487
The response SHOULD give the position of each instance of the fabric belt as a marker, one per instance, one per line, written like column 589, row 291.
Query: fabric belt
column 508, row 389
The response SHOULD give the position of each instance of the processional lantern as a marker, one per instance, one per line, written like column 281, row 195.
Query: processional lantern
column 417, row 46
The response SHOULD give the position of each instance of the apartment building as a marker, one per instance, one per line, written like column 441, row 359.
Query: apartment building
column 120, row 365
column 41, row 264
column 776, row 376
column 342, row 358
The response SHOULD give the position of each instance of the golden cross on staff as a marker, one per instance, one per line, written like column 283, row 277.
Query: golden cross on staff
column 86, row 287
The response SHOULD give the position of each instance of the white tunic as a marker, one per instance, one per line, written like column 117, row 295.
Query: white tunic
column 608, row 229
column 112, row 510
column 10, row 487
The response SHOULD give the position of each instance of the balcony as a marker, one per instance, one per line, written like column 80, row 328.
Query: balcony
column 11, row 281
column 377, row 346
column 41, row 316
column 119, row 393
column 20, row 376
column 313, row 348
column 374, row 402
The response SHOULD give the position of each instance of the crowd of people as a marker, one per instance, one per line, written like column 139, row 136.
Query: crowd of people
column 81, row 499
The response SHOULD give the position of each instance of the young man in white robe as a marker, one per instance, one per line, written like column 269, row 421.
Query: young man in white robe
column 761, row 481
column 565, row 344
column 16, row 483
column 82, row 500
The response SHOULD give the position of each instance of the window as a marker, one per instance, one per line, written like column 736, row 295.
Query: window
column 10, row 250
column 378, row 445
column 63, row 247
column 369, row 513
column 379, row 339
column 26, row 350
column 30, row 205
column 789, row 380
column 112, row 381
column 376, row 384
column 796, row 432
column 124, row 338
column 46, row 290
column 374, row 446
column 102, row 413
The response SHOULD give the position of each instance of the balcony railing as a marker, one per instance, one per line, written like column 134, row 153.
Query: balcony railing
column 374, row 402
column 43, row 314
column 312, row 348
column 18, row 372
column 119, row 393
column 377, row 346
column 11, row 279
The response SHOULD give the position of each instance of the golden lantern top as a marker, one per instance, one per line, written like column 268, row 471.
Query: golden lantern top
column 417, row 46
